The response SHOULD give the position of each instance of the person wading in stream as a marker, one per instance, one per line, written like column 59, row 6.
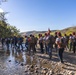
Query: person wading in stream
column 7, row 43
column 2, row 41
column 26, row 42
column 61, row 45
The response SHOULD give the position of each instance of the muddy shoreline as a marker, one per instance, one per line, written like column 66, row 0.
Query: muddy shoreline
column 12, row 63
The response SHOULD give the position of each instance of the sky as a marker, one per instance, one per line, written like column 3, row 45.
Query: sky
column 39, row 15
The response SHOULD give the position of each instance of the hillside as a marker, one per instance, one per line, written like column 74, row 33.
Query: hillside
column 68, row 31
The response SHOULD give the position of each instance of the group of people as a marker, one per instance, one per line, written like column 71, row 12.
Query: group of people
column 14, row 42
column 58, row 42
column 47, row 43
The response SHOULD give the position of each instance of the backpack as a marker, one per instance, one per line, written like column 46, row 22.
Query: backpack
column 52, row 39
column 74, row 40
column 31, row 41
column 63, row 42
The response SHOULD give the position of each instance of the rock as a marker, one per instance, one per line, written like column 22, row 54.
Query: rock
column 31, row 66
column 32, row 69
column 36, row 68
column 9, row 60
column 36, row 71
column 44, row 62
column 22, row 64
column 72, row 73
column 59, row 74
column 44, row 70
column 49, row 72
column 35, row 65
column 27, row 66
column 26, row 70
column 16, row 61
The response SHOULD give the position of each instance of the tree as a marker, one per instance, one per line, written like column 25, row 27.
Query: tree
column 7, row 30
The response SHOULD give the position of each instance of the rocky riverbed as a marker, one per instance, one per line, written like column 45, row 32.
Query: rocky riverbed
column 12, row 63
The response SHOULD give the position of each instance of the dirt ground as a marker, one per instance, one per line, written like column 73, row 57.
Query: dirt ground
column 12, row 63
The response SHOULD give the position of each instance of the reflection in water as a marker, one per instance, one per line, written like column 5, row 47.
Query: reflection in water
column 15, row 59
column 24, row 57
column 14, row 56
column 31, row 59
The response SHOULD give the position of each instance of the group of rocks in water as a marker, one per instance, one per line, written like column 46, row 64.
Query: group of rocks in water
column 46, row 43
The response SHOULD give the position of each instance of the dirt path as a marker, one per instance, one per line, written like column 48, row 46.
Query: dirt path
column 69, row 66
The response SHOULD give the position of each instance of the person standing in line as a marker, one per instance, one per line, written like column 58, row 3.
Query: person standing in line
column 70, row 42
column 36, row 39
column 35, row 43
column 49, row 44
column 20, row 41
column 31, row 44
column 74, row 42
column 66, row 38
column 14, row 42
column 7, row 42
column 2, row 41
column 55, row 39
column 61, row 46
column 41, row 43
column 26, row 42
column 45, row 45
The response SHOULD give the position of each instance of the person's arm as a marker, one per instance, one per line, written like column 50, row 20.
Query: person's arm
column 58, row 42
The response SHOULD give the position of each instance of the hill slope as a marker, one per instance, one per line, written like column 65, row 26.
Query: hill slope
column 68, row 31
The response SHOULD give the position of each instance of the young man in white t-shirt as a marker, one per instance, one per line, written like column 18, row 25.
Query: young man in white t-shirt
column 60, row 47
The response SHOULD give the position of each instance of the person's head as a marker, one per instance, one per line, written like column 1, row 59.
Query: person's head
column 48, row 34
column 39, row 35
column 45, row 34
column 59, row 34
column 55, row 33
column 73, row 33
column 70, row 35
column 65, row 35
column 33, row 36
column 25, row 36
column 30, row 35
